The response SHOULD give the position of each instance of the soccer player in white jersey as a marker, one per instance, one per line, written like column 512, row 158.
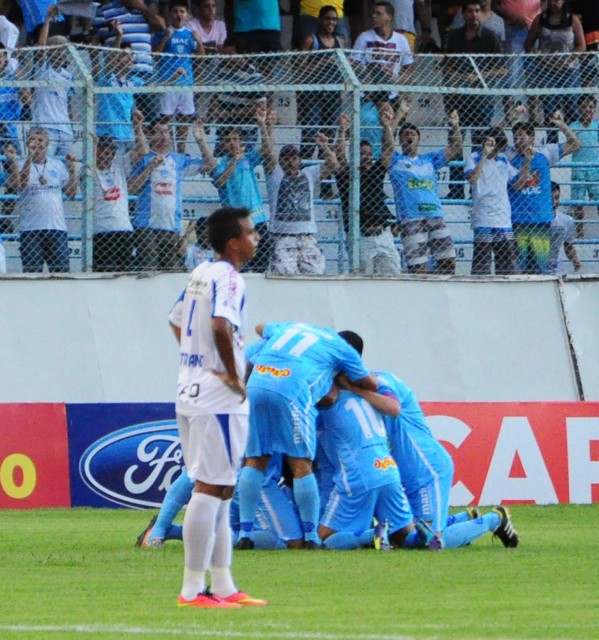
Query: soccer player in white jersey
column 212, row 409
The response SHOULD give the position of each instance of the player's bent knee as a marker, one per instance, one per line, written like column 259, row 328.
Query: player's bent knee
column 300, row 467
column 397, row 538
column 324, row 532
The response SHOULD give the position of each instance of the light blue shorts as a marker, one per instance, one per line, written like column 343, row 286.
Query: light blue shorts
column 431, row 502
column 279, row 425
column 353, row 514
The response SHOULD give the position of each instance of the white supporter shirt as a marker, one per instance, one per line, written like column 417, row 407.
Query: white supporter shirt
column 212, row 40
column 292, row 201
column 51, row 104
column 40, row 205
column 562, row 230
column 393, row 53
column 111, row 205
column 214, row 289
column 490, row 201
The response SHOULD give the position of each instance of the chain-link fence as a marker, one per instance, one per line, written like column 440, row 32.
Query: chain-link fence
column 351, row 162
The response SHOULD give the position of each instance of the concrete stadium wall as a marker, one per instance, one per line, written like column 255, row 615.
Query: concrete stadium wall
column 106, row 339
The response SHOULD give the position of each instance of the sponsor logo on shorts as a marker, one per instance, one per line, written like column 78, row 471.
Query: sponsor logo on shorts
column 273, row 371
column 384, row 463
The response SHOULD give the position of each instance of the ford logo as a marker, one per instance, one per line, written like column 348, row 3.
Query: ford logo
column 134, row 466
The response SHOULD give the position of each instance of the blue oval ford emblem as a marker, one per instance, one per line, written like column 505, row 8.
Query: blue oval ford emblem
column 134, row 466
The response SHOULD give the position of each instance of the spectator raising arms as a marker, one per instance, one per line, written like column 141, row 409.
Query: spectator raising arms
column 180, row 43
column 113, row 233
column 293, row 224
column 51, row 102
column 40, row 182
column 157, row 178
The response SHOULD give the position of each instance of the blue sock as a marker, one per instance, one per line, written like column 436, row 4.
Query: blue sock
column 456, row 518
column 267, row 540
column 305, row 493
column 248, row 487
column 343, row 541
column 414, row 541
column 174, row 532
column 464, row 533
column 176, row 498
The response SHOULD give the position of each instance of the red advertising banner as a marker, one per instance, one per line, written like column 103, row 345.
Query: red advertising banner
column 525, row 452
column 34, row 456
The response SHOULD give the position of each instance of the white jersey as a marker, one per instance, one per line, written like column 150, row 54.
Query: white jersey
column 212, row 40
column 393, row 53
column 214, row 289
column 292, row 201
column 490, row 201
column 111, row 205
column 40, row 205
column 51, row 104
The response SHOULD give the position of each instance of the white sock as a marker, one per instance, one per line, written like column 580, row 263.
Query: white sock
column 220, row 566
column 198, row 542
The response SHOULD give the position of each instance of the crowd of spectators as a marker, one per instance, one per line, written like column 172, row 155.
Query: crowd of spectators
column 141, row 144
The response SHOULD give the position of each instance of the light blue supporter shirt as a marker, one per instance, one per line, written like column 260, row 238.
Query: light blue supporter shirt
column 241, row 189
column 589, row 145
column 353, row 437
column 180, row 45
column 418, row 453
column 160, row 203
column 299, row 362
column 414, row 182
column 256, row 15
column 115, row 109
column 532, row 204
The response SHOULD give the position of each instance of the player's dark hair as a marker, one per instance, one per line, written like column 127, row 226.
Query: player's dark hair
column 586, row 96
column 326, row 9
column 353, row 340
column 498, row 134
column 409, row 126
column 555, row 186
column 365, row 143
column 178, row 3
column 223, row 225
column 466, row 3
column 158, row 120
column 527, row 127
column 389, row 8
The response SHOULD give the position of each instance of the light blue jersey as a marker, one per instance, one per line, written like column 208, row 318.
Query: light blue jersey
column 532, row 204
column 420, row 456
column 181, row 45
column 241, row 189
column 115, row 109
column 414, row 182
column 300, row 361
column 294, row 370
column 589, row 144
column 353, row 437
column 160, row 204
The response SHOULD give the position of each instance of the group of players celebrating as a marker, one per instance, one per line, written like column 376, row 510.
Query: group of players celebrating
column 366, row 469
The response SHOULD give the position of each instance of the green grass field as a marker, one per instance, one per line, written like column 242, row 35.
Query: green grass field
column 75, row 573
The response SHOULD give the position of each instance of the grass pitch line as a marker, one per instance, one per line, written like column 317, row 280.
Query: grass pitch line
column 206, row 633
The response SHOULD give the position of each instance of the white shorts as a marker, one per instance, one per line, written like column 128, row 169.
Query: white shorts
column 2, row 259
column 378, row 255
column 213, row 446
column 295, row 254
column 173, row 103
